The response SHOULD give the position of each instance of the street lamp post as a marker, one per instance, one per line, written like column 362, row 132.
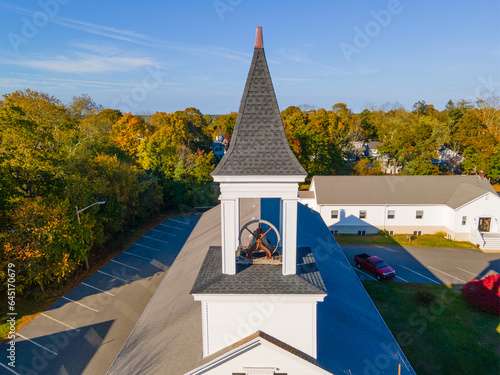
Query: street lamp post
column 78, row 217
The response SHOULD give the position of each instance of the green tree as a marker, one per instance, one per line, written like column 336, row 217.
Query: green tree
column 224, row 124
column 36, row 139
column 43, row 241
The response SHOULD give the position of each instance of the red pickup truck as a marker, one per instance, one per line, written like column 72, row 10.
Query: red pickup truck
column 375, row 265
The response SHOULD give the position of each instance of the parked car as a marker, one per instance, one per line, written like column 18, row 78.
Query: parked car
column 375, row 265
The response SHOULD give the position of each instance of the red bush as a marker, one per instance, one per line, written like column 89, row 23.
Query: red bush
column 484, row 294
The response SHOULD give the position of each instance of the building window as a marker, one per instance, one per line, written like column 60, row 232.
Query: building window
column 391, row 214
column 390, row 232
column 417, row 232
column 362, row 214
column 420, row 214
column 464, row 220
column 361, row 232
column 335, row 214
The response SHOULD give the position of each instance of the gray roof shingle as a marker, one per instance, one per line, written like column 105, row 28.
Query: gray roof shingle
column 258, row 278
column 259, row 145
column 453, row 191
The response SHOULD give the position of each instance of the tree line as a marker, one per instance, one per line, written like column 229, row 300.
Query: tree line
column 323, row 139
column 56, row 158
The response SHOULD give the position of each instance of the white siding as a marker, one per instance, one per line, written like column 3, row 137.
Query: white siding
column 264, row 355
column 435, row 218
column 486, row 206
column 290, row 322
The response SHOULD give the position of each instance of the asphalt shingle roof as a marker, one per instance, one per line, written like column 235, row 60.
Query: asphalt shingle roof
column 453, row 191
column 259, row 145
column 167, row 339
column 259, row 278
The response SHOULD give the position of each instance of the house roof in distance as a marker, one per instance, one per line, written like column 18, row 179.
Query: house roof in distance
column 259, row 145
column 453, row 191
column 259, row 278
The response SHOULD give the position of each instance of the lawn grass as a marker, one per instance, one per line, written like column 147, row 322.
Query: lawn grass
column 34, row 301
column 446, row 336
column 426, row 240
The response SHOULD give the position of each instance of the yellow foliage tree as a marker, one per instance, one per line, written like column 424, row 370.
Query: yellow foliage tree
column 128, row 132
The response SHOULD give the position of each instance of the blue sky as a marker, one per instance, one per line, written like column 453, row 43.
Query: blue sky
column 168, row 55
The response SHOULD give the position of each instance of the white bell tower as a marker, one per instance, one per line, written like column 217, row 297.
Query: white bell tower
column 259, row 164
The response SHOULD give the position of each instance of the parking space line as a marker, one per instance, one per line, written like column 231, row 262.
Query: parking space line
column 7, row 367
column 37, row 344
column 435, row 282
column 160, row 231
column 399, row 277
column 126, row 265
column 114, row 277
column 447, row 274
column 170, row 226
column 177, row 221
column 135, row 255
column 100, row 290
column 470, row 273
column 156, row 239
column 58, row 321
column 147, row 247
column 81, row 304
column 357, row 269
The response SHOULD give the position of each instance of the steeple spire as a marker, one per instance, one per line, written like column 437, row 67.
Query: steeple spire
column 259, row 145
column 258, row 38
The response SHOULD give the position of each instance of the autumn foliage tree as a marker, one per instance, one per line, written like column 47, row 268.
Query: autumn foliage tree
column 54, row 157
column 128, row 132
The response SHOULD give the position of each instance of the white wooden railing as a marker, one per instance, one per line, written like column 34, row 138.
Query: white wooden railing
column 476, row 237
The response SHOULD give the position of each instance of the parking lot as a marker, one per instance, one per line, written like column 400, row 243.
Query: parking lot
column 83, row 331
column 429, row 264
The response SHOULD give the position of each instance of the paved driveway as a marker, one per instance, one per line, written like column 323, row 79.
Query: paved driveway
column 83, row 331
column 429, row 264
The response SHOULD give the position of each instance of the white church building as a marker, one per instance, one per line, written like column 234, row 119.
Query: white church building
column 466, row 208
column 260, row 286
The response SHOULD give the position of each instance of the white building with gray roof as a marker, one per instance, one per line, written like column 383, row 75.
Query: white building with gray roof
column 260, row 286
column 466, row 208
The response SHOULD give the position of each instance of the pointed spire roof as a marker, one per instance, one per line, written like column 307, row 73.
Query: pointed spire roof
column 259, row 145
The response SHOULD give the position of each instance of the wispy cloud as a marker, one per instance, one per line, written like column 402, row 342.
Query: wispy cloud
column 292, row 79
column 133, row 36
column 366, row 71
column 84, row 63
column 298, row 57
column 62, row 82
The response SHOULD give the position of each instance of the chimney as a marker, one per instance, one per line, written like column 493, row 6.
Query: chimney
column 481, row 175
column 258, row 38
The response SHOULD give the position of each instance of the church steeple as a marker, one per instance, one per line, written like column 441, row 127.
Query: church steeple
column 259, row 145
column 259, row 164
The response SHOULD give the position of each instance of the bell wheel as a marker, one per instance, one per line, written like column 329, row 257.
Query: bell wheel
column 253, row 240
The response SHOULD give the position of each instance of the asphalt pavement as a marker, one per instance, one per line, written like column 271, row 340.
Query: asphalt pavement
column 82, row 332
column 429, row 264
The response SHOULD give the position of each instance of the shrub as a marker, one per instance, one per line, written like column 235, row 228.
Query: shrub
column 484, row 294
